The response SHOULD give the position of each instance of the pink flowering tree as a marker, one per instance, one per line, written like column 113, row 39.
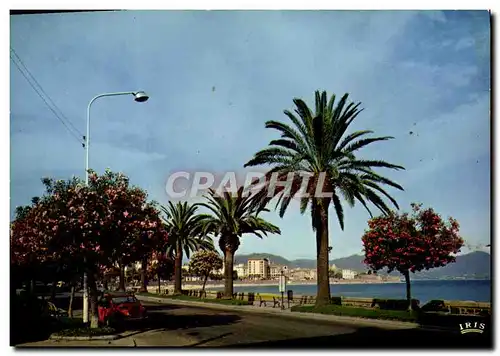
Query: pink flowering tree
column 96, row 226
column 411, row 242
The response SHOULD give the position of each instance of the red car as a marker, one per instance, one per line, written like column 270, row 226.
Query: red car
column 114, row 308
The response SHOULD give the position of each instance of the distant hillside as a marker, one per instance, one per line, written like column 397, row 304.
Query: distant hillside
column 272, row 258
column 475, row 264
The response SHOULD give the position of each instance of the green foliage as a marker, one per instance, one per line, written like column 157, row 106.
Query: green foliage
column 161, row 265
column 231, row 217
column 335, row 273
column 209, row 300
column 202, row 263
column 185, row 227
column 358, row 312
column 85, row 331
column 317, row 143
column 234, row 216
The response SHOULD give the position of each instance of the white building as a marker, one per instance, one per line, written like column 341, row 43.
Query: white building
column 275, row 271
column 258, row 268
column 348, row 274
column 242, row 270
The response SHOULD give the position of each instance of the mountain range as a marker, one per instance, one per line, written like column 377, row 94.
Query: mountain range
column 472, row 265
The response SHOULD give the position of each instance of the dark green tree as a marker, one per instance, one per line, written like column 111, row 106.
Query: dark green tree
column 232, row 217
column 185, row 227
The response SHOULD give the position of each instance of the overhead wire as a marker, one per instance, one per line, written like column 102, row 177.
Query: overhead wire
column 60, row 116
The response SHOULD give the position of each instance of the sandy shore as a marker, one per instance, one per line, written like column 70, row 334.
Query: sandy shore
column 198, row 285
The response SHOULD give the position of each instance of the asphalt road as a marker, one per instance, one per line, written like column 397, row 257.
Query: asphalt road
column 186, row 326
column 214, row 328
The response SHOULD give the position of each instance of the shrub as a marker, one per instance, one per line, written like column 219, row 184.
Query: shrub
column 395, row 304
column 358, row 312
column 85, row 331
column 336, row 300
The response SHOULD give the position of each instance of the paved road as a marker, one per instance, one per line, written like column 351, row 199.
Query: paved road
column 171, row 325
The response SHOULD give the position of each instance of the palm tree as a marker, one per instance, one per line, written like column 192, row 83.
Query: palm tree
column 185, row 227
column 232, row 217
column 317, row 145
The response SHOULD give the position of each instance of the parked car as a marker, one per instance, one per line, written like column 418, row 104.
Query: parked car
column 116, row 308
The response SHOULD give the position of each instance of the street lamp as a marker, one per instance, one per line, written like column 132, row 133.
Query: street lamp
column 140, row 97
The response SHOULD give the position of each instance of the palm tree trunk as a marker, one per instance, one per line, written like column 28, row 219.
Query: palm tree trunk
column 121, row 278
column 71, row 298
column 322, row 249
column 408, row 289
column 228, row 273
column 144, row 275
column 178, row 270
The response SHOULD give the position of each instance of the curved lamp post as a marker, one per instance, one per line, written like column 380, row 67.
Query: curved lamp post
column 140, row 97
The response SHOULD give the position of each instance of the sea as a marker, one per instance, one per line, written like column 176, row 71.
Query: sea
column 423, row 290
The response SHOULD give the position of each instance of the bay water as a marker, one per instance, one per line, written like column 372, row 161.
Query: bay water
column 423, row 290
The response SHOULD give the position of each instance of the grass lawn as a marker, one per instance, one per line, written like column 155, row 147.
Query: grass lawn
column 358, row 312
column 197, row 299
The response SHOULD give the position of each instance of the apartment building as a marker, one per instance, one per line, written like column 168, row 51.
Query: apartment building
column 258, row 268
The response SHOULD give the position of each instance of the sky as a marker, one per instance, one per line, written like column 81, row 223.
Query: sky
column 216, row 77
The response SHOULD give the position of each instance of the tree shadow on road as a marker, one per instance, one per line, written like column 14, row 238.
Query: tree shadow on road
column 372, row 338
column 165, row 322
column 163, row 307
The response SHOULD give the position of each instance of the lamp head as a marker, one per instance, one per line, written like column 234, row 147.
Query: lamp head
column 141, row 97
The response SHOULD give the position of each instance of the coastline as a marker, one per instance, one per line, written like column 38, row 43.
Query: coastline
column 211, row 286
column 240, row 284
column 466, row 290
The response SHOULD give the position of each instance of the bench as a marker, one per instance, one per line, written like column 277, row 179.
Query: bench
column 251, row 298
column 261, row 301
column 306, row 300
column 276, row 302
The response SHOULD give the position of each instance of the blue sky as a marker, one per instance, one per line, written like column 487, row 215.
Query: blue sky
column 216, row 77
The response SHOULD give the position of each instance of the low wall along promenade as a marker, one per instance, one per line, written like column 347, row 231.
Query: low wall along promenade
column 442, row 306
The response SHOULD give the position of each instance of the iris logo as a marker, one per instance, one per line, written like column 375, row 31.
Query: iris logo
column 472, row 328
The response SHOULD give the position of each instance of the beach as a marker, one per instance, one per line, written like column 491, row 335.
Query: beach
column 258, row 284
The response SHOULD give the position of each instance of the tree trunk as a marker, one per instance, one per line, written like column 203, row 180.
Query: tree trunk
column 204, row 284
column 408, row 289
column 322, row 249
column 53, row 291
column 228, row 273
column 71, row 299
column 94, row 319
column 105, row 283
column 144, row 275
column 121, row 278
column 178, row 270
column 159, row 283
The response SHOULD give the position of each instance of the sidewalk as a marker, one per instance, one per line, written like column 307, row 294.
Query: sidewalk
column 344, row 320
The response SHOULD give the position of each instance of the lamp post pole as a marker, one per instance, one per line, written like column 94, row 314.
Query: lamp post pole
column 140, row 96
